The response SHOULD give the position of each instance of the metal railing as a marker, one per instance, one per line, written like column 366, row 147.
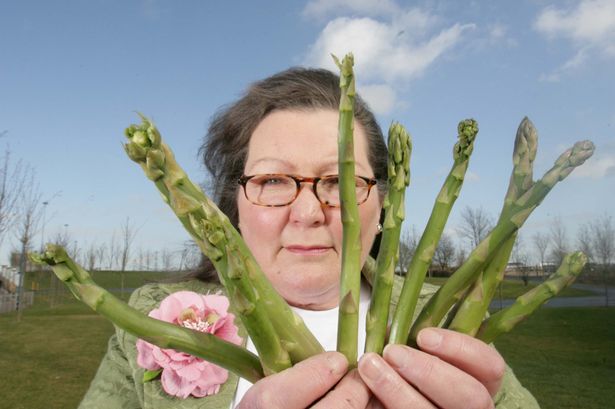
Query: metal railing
column 8, row 302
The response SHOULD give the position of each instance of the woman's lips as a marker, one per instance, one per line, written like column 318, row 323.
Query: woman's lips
column 307, row 250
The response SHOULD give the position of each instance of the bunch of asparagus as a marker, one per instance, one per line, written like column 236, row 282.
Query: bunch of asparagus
column 279, row 335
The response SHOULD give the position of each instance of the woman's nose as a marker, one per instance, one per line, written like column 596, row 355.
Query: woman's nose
column 306, row 208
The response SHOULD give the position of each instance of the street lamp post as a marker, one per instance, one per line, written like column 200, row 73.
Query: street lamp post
column 43, row 226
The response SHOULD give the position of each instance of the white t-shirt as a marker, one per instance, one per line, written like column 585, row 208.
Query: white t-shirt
column 323, row 325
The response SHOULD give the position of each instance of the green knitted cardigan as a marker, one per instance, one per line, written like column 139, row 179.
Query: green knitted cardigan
column 118, row 381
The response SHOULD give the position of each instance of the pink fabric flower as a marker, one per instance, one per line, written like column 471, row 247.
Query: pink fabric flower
column 182, row 374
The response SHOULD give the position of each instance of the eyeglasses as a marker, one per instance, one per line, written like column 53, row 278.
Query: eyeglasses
column 274, row 190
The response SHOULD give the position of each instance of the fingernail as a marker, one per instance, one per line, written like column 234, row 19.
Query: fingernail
column 429, row 339
column 371, row 367
column 396, row 355
column 337, row 363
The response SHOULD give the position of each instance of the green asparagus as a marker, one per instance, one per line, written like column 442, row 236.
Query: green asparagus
column 206, row 346
column 350, row 280
column 400, row 147
column 506, row 319
column 454, row 288
column 474, row 305
column 278, row 334
column 426, row 248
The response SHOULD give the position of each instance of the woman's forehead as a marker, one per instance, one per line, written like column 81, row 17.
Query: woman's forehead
column 296, row 140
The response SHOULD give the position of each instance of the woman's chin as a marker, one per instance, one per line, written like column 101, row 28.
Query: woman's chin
column 313, row 295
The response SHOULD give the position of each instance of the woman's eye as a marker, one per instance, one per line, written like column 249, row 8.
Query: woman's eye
column 270, row 180
column 330, row 182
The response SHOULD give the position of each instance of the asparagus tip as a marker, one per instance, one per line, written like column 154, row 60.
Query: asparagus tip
column 467, row 129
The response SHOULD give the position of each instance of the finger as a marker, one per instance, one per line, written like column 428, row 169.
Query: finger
column 469, row 354
column 374, row 403
column 299, row 386
column 350, row 393
column 388, row 386
column 442, row 383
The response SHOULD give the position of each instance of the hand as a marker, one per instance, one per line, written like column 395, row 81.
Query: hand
column 309, row 381
column 451, row 370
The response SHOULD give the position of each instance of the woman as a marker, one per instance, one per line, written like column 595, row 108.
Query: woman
column 280, row 142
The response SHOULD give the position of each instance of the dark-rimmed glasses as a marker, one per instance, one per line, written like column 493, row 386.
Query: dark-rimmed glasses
column 274, row 190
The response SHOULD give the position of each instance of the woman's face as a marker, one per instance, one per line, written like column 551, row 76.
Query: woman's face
column 299, row 246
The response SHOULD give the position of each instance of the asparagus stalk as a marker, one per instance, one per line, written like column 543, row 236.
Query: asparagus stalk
column 369, row 270
column 398, row 179
column 505, row 320
column 426, row 248
column 278, row 334
column 475, row 304
column 512, row 220
column 206, row 346
column 350, row 280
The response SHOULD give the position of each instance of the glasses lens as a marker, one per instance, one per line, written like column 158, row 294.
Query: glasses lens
column 329, row 192
column 271, row 190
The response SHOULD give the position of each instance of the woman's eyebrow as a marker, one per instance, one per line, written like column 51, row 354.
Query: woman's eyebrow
column 269, row 160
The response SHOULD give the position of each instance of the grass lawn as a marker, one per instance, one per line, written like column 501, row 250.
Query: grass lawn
column 50, row 356
column 565, row 356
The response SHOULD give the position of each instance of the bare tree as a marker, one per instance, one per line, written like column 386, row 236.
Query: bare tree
column 101, row 252
column 604, row 246
column 29, row 210
column 559, row 241
column 519, row 256
column 190, row 255
column 541, row 244
column 167, row 259
column 61, row 238
column 155, row 260
column 445, row 252
column 584, row 240
column 475, row 225
column 148, row 260
column 128, row 234
column 91, row 256
column 113, row 251
column 12, row 182
column 407, row 246
column 460, row 256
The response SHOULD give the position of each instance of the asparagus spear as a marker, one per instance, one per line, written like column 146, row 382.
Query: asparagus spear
column 398, row 179
column 505, row 320
column 350, row 281
column 474, row 305
column 276, row 331
column 206, row 346
column 429, row 240
column 512, row 220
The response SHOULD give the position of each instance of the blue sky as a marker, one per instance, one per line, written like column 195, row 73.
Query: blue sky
column 72, row 75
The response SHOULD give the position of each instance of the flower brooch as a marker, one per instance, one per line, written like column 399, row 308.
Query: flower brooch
column 182, row 374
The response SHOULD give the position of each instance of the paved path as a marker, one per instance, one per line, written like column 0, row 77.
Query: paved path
column 597, row 300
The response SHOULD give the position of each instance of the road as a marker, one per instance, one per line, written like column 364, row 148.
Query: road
column 597, row 300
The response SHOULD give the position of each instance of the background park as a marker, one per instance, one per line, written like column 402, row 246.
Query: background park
column 72, row 75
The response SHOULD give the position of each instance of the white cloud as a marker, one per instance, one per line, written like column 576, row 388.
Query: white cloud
column 381, row 98
column 499, row 34
column 596, row 167
column 381, row 50
column 471, row 176
column 590, row 27
column 322, row 8
column 395, row 51
column 576, row 61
